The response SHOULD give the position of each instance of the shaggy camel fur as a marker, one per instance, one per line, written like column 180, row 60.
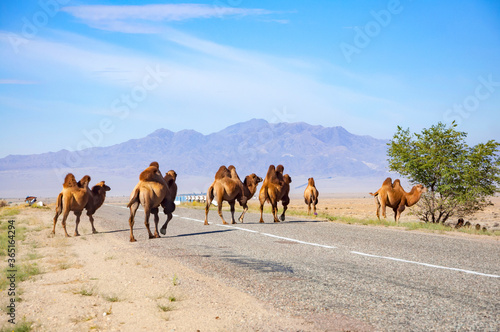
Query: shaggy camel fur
column 168, row 203
column 275, row 188
column 149, row 192
column 74, row 197
column 311, row 195
column 96, row 199
column 227, row 186
column 394, row 196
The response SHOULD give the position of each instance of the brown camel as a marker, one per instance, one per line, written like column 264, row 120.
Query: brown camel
column 149, row 192
column 74, row 197
column 168, row 203
column 394, row 196
column 96, row 199
column 227, row 186
column 275, row 188
column 311, row 195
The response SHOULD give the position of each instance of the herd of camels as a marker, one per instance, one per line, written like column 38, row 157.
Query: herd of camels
column 155, row 190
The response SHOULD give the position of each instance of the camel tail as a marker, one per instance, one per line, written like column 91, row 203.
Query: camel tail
column 374, row 194
column 210, row 195
column 59, row 205
column 134, row 197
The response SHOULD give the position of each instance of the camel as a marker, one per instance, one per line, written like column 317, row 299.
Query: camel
column 74, row 197
column 149, row 192
column 275, row 188
column 394, row 196
column 168, row 203
column 227, row 186
column 96, row 199
column 311, row 196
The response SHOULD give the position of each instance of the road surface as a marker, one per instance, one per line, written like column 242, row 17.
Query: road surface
column 374, row 277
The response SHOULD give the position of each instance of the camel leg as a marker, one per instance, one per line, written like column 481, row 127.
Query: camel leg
column 232, row 213
column 65, row 216
column 133, row 210
column 55, row 221
column 308, row 208
column 377, row 203
column 163, row 229
column 245, row 209
column 91, row 218
column 219, row 209
column 77, row 222
column 147, row 213
column 157, row 220
column 261, row 212
column 207, row 208
column 314, row 209
column 275, row 212
column 398, row 212
column 285, row 207
column 383, row 208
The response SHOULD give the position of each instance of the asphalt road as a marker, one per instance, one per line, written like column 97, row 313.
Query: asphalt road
column 372, row 277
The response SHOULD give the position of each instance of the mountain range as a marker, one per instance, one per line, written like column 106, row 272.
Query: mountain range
column 305, row 150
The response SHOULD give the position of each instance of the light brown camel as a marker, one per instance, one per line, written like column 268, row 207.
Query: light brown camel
column 227, row 186
column 96, row 199
column 394, row 196
column 275, row 188
column 74, row 197
column 168, row 203
column 311, row 195
column 149, row 192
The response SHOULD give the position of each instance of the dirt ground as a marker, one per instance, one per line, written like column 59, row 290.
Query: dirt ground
column 99, row 283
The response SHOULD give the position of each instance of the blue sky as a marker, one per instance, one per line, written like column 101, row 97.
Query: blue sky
column 76, row 74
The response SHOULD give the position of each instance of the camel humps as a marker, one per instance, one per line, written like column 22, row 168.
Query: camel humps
column 227, row 186
column 394, row 196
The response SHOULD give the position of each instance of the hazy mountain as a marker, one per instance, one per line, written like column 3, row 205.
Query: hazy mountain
column 303, row 149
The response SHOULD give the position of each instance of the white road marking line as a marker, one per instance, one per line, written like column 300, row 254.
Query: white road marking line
column 426, row 264
column 332, row 247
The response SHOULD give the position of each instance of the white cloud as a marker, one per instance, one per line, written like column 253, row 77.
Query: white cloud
column 131, row 19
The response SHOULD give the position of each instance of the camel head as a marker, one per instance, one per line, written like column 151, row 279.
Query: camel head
column 287, row 178
column 252, row 179
column 420, row 188
column 100, row 188
column 170, row 177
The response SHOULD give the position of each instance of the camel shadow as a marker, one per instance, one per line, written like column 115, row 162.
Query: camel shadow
column 200, row 233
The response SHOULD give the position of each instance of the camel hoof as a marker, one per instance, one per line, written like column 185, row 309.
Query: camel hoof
column 206, row 223
column 233, row 222
column 261, row 221
column 163, row 231
column 133, row 240
column 282, row 218
column 95, row 232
